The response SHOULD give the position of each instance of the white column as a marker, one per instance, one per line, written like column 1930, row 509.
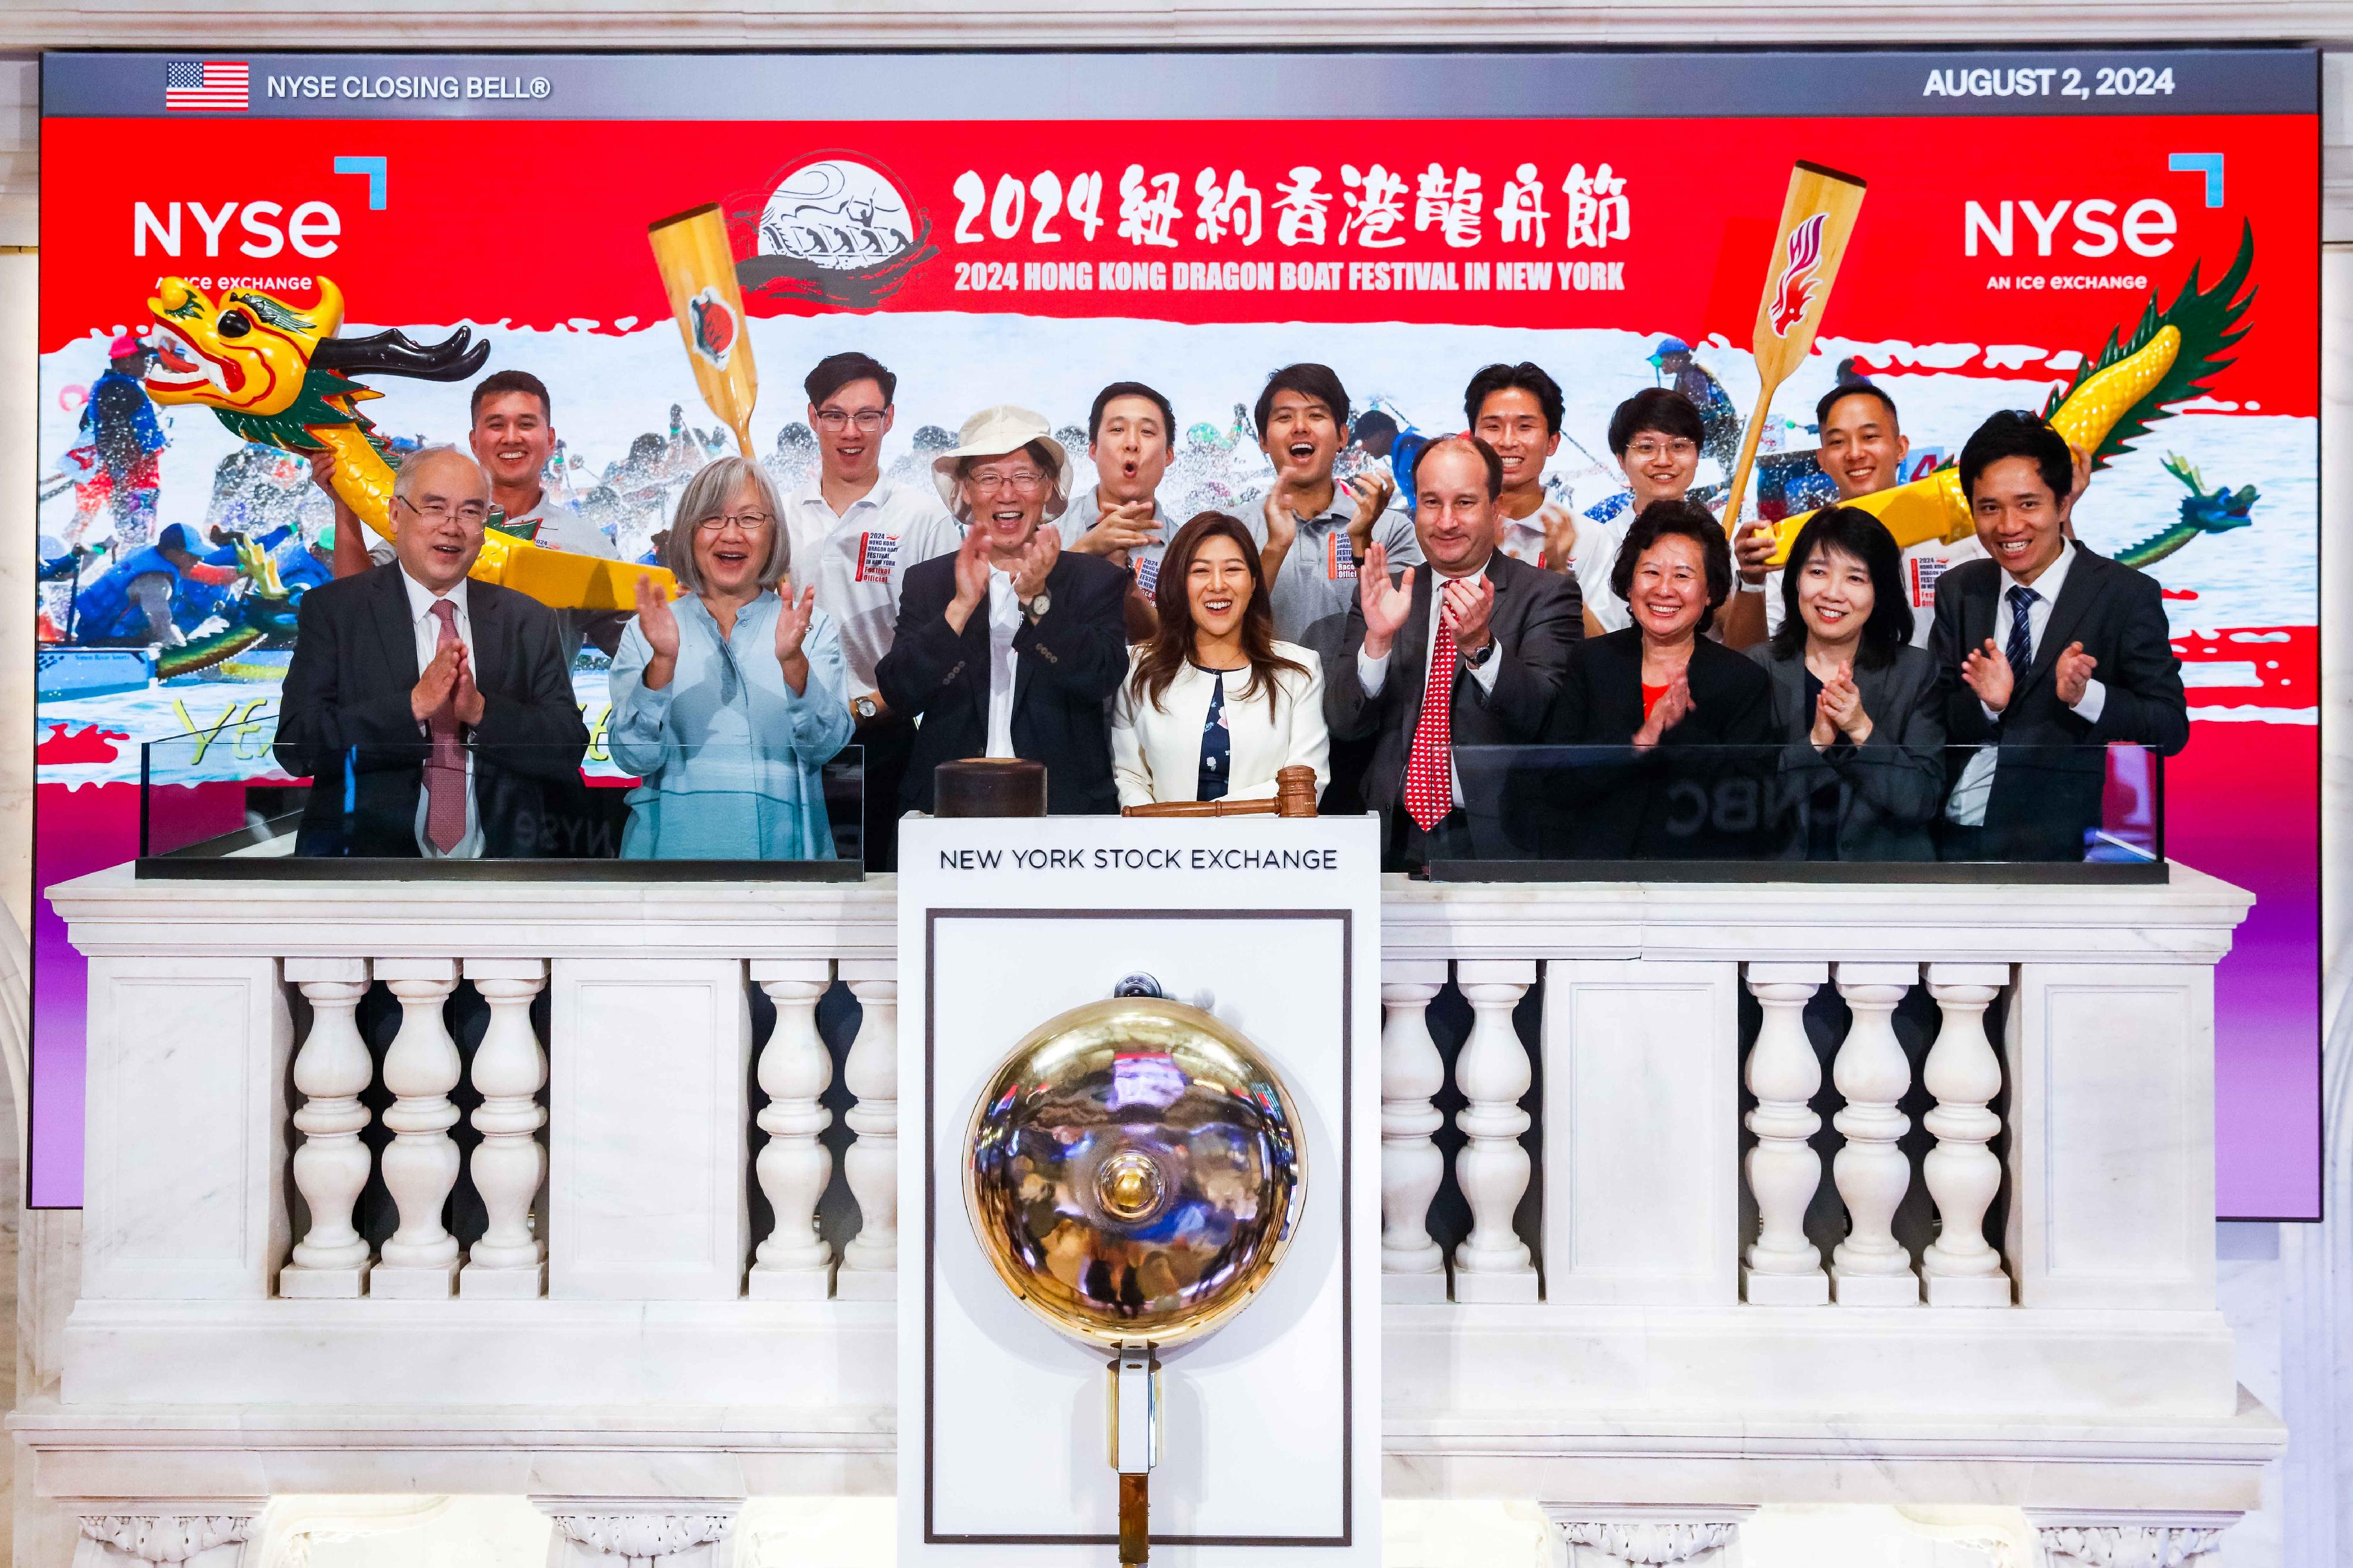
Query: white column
column 1413, row 1267
column 420, row 1165
column 1870, row 1268
column 628, row 1532
column 510, row 1262
column 1960, row 1267
column 794, row 1263
column 1783, row 1268
column 333, row 1069
column 212, row 1535
column 870, row 1263
column 1493, row 1264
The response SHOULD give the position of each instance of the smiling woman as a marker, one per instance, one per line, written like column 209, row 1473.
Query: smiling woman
column 728, row 702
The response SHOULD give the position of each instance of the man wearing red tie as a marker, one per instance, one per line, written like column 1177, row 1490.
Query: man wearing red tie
column 433, row 714
column 1468, row 651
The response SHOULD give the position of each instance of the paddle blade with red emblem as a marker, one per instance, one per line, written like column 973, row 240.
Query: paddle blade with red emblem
column 698, row 268
column 1817, row 219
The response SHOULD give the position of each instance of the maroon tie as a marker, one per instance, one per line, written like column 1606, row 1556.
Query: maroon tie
column 445, row 764
column 1430, row 764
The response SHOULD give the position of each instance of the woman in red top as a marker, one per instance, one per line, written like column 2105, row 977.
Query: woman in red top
column 1658, row 687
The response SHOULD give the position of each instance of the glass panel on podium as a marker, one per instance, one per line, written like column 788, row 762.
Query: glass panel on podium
column 713, row 813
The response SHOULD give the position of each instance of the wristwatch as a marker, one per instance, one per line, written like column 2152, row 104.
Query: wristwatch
column 1474, row 660
column 1036, row 608
column 864, row 707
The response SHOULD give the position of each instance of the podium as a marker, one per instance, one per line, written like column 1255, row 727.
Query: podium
column 1270, row 1448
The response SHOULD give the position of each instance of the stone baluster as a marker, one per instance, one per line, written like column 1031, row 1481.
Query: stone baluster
column 1870, row 1268
column 870, row 1263
column 1960, row 1269
column 1783, row 1269
column 510, row 1262
column 331, row 1165
column 1493, row 1264
column 794, row 1263
column 420, row 1165
column 1413, row 1267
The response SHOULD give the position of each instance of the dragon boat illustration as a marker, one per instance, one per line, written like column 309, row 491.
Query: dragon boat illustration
column 278, row 374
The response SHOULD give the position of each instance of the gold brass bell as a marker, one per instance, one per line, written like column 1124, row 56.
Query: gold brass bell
column 1135, row 1176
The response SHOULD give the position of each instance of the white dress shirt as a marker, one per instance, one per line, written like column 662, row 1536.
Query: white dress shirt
column 1155, row 750
column 1966, row 808
column 1374, row 673
column 426, row 627
column 1004, row 620
column 856, row 559
column 1594, row 557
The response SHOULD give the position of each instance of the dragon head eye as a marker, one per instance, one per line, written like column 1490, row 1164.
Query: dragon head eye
column 233, row 324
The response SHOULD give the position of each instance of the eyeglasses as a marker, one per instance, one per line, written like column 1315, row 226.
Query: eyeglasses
column 1023, row 481
column 867, row 420
column 472, row 513
column 1644, row 451
column 748, row 521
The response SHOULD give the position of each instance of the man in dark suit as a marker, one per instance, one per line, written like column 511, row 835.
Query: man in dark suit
column 1011, row 647
column 2045, row 654
column 433, row 714
column 1487, row 633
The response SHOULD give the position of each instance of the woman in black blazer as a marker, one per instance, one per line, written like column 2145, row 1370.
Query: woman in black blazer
column 1862, row 763
column 1667, row 703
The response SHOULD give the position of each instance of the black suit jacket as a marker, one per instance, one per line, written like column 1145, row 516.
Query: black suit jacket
column 1890, row 788
column 1698, row 795
column 344, row 720
column 2048, row 782
column 1538, row 617
column 1066, row 666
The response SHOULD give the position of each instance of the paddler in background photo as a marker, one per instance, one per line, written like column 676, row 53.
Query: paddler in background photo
column 1672, row 359
column 1129, row 430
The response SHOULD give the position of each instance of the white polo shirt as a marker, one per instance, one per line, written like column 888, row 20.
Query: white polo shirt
column 857, row 560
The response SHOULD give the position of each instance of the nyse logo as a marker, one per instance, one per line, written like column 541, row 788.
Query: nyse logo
column 261, row 229
column 2092, row 226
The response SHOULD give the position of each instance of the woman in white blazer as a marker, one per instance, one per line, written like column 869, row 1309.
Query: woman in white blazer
column 1213, row 705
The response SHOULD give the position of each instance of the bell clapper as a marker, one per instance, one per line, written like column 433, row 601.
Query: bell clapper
column 1135, row 1445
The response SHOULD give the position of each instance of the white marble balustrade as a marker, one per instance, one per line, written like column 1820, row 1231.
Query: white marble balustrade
column 1599, row 1291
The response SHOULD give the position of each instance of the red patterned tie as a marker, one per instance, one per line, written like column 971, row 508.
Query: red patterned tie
column 445, row 765
column 1430, row 766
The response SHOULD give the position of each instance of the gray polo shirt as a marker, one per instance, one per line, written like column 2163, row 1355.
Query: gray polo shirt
column 1312, row 594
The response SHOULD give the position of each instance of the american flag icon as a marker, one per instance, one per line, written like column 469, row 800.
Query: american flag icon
column 204, row 85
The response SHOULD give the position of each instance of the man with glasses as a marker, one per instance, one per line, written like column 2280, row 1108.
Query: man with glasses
column 1013, row 645
column 853, row 533
column 1655, row 435
column 467, row 743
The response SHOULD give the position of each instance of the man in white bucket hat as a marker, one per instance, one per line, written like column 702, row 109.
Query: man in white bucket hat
column 1011, row 647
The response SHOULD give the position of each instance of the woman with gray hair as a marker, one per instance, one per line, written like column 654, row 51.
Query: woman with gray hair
column 728, row 701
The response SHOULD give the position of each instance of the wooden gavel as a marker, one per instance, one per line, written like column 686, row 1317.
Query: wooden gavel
column 1294, row 795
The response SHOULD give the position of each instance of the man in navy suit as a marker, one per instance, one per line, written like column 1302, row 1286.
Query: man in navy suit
column 2045, row 653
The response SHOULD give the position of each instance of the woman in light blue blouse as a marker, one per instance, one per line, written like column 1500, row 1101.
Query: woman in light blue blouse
column 727, row 701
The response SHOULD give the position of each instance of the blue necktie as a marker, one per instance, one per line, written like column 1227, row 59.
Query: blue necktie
column 1217, row 748
column 2020, row 651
